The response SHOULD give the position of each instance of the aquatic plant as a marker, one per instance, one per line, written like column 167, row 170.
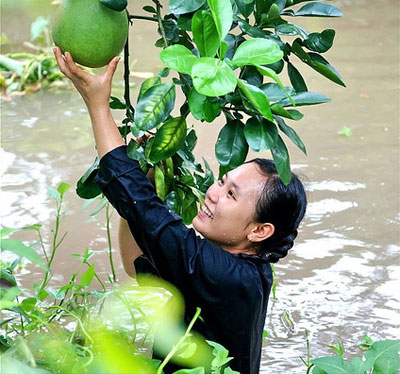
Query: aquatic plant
column 23, row 71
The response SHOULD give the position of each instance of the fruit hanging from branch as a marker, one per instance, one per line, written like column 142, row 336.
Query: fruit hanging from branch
column 92, row 31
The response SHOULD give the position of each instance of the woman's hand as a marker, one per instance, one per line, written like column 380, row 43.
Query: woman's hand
column 94, row 89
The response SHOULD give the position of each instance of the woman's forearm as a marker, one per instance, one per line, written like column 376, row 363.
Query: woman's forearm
column 106, row 133
column 95, row 91
column 128, row 247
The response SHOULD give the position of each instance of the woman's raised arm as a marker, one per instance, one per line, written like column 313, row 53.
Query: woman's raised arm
column 95, row 91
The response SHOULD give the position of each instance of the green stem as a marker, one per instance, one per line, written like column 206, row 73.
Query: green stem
column 159, row 20
column 97, row 277
column 114, row 278
column 134, row 16
column 42, row 245
column 129, row 108
column 181, row 340
column 68, row 312
column 54, row 247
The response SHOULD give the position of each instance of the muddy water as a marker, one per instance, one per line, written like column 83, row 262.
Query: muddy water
column 341, row 279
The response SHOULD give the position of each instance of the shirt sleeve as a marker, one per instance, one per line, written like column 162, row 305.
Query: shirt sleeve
column 177, row 253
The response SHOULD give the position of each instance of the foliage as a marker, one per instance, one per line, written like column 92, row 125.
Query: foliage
column 380, row 357
column 77, row 328
column 226, row 58
column 23, row 72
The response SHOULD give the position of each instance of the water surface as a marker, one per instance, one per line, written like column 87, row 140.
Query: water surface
column 340, row 280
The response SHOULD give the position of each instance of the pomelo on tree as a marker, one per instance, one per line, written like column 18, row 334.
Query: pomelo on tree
column 91, row 32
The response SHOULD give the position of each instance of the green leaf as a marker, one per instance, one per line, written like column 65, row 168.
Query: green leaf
column 178, row 57
column 5, row 231
column 185, row 6
column 257, row 51
column 160, row 182
column 257, row 98
column 320, row 42
column 222, row 13
column 290, row 113
column 116, row 103
column 198, row 370
column 21, row 250
column 270, row 73
column 316, row 9
column 252, row 31
column 201, row 107
column 28, row 304
column 291, row 134
column 12, row 65
column 8, row 277
column 231, row 147
column 260, row 135
column 149, row 9
column 296, row 79
column 305, row 98
column 117, row 5
column 346, row 131
column 385, row 356
column 323, row 67
column 86, row 188
column 87, row 277
column 331, row 364
column 213, row 77
column 245, row 7
column 282, row 160
column 273, row 18
column 358, row 366
column 275, row 93
column 135, row 151
column 38, row 26
column 155, row 106
column 291, row 29
column 168, row 139
column 205, row 33
column 318, row 63
column 149, row 82
column 189, row 207
column 63, row 188
column 53, row 193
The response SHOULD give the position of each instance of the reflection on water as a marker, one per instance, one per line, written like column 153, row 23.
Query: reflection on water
column 340, row 280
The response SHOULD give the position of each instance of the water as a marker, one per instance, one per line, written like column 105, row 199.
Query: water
column 340, row 280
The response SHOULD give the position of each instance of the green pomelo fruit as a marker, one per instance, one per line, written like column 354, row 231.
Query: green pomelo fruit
column 92, row 33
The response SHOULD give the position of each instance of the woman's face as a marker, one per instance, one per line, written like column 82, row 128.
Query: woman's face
column 226, row 217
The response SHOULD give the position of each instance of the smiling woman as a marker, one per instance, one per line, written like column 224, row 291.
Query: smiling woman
column 224, row 273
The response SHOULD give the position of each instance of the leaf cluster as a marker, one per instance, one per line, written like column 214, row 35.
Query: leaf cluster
column 26, row 71
column 226, row 57
column 381, row 357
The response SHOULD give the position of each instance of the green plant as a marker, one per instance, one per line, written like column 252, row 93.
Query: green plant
column 380, row 357
column 226, row 58
column 28, row 72
column 75, row 328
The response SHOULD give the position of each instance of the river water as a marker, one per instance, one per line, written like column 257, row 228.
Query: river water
column 341, row 279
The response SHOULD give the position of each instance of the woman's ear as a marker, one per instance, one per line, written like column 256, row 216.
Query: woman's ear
column 260, row 232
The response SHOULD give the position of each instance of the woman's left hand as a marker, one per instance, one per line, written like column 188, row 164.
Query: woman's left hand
column 94, row 89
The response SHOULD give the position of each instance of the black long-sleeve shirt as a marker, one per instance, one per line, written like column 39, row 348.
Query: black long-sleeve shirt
column 231, row 290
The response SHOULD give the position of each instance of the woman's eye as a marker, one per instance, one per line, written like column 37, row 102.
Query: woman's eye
column 231, row 194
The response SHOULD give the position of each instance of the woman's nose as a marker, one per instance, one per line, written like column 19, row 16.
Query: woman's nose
column 212, row 193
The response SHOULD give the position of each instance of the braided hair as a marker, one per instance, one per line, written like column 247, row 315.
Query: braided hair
column 283, row 206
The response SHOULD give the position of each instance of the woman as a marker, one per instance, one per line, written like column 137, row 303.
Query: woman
column 249, row 219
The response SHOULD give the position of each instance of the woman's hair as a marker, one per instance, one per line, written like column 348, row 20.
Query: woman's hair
column 283, row 206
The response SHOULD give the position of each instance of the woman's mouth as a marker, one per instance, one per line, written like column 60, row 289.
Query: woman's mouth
column 207, row 212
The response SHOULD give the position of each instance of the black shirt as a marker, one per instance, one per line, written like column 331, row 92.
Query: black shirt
column 231, row 290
